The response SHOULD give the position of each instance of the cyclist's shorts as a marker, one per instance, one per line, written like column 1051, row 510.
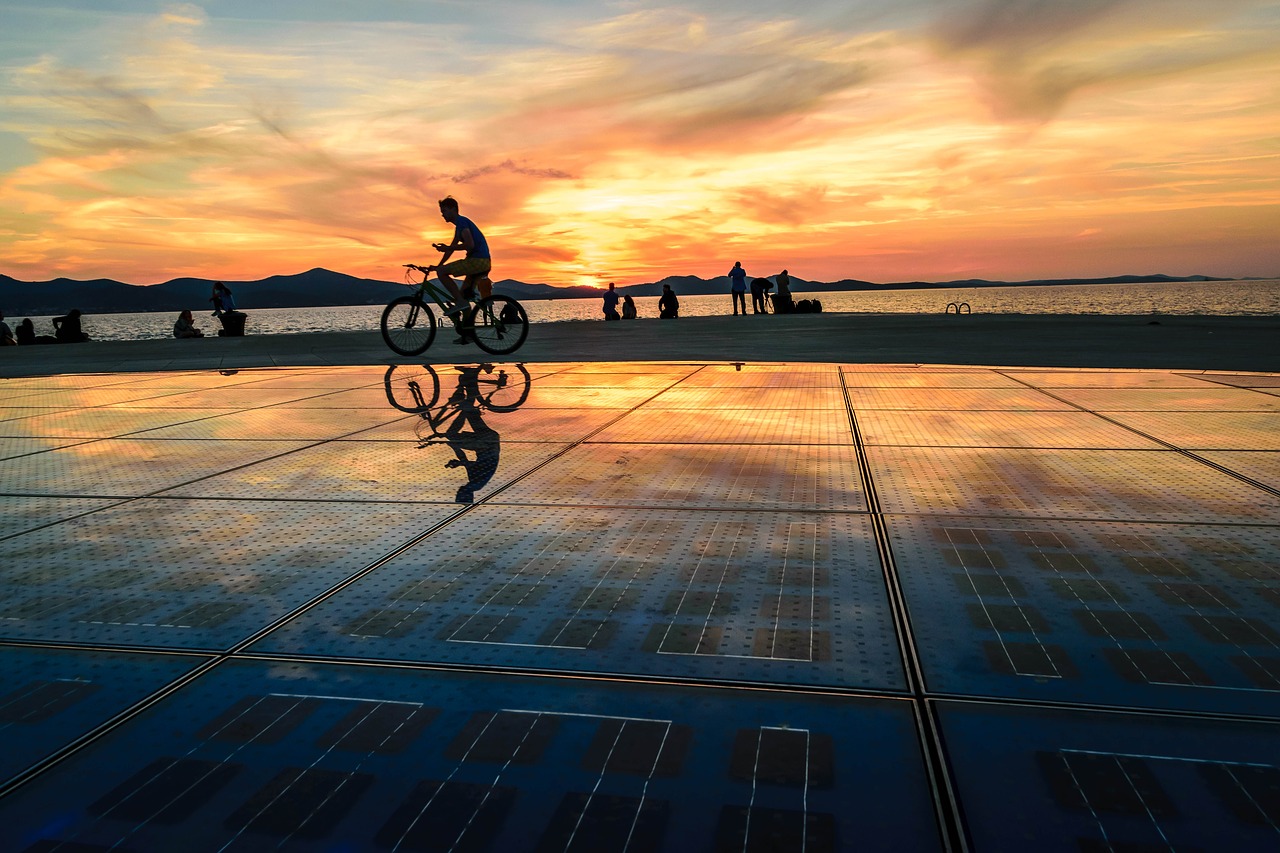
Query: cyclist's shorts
column 468, row 266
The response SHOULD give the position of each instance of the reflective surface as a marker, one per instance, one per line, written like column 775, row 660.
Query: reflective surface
column 640, row 606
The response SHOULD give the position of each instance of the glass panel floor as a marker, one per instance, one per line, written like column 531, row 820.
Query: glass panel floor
column 640, row 607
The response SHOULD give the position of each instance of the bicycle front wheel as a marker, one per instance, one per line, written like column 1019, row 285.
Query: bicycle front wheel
column 511, row 395
column 498, row 324
column 411, row 390
column 408, row 326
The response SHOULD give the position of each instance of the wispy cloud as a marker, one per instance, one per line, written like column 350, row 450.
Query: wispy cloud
column 629, row 140
column 1034, row 55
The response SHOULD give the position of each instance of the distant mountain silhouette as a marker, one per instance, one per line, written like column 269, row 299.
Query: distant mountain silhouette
column 321, row 288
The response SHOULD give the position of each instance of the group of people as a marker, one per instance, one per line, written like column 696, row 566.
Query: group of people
column 760, row 296
column 668, row 304
column 224, row 308
column 66, row 330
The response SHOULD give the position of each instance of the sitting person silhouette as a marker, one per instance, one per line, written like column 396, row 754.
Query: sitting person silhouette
column 184, row 327
column 669, row 304
column 67, row 328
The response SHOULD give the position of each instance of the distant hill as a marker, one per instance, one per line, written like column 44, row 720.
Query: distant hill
column 321, row 287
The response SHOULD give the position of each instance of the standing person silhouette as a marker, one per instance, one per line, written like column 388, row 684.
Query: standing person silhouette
column 738, row 287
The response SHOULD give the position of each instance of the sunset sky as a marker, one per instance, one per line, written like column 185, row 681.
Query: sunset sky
column 886, row 140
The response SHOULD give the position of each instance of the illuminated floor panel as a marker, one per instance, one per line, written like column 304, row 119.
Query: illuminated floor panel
column 51, row 697
column 702, row 476
column 1205, row 396
column 722, row 376
column 1208, row 430
column 20, row 514
column 1262, row 466
column 774, row 598
column 115, row 421
column 997, row 429
column 262, row 754
column 465, row 469
column 652, row 607
column 13, row 413
column 1104, row 484
column 284, row 422
column 11, row 448
column 1160, row 616
column 949, row 399
column 190, row 574
column 1105, row 379
column 524, row 424
column 1064, row 781
column 731, row 426
column 130, row 466
column 922, row 378
column 759, row 399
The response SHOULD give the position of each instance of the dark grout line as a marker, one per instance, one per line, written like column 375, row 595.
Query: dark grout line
column 601, row 676
column 1098, row 708
column 951, row 826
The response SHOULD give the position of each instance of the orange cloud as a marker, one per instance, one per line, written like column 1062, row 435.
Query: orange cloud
column 633, row 146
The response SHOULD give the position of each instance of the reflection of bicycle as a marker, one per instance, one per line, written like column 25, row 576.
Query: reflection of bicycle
column 415, row 390
column 498, row 324
column 476, row 446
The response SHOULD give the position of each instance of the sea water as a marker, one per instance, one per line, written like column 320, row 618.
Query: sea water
column 1220, row 298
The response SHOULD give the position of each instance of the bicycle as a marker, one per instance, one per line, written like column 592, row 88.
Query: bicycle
column 497, row 324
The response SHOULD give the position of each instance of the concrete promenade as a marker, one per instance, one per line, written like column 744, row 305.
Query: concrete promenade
column 1185, row 343
column 724, row 584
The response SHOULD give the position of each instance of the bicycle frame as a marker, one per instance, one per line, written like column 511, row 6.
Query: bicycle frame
column 441, row 297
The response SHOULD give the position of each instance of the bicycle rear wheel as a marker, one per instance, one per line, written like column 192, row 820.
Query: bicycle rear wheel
column 498, row 324
column 408, row 326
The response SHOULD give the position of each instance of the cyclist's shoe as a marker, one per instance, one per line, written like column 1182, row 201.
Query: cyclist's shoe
column 454, row 312
column 462, row 339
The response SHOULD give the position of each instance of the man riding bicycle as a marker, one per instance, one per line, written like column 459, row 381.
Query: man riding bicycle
column 475, row 265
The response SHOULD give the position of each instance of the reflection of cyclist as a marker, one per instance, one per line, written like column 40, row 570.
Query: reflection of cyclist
column 480, row 439
column 465, row 236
